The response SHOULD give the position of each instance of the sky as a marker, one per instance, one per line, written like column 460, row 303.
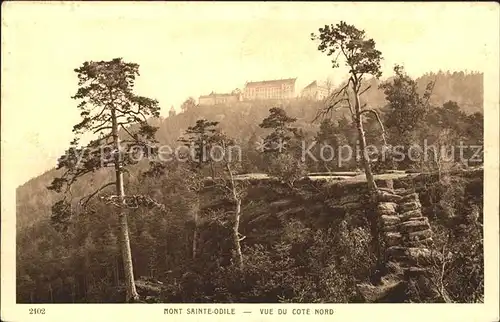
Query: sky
column 190, row 49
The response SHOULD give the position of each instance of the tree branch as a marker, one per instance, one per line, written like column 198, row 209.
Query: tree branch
column 100, row 113
column 330, row 107
column 124, row 128
column 347, row 57
column 363, row 91
column 87, row 198
column 359, row 80
column 350, row 106
column 101, row 126
column 101, row 129
column 132, row 113
column 379, row 122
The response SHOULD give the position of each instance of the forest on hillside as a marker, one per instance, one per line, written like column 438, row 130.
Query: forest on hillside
column 241, row 122
column 70, row 241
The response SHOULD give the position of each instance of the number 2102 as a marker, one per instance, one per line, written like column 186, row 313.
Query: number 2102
column 37, row 311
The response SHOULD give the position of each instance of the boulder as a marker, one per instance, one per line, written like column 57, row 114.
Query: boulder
column 409, row 197
column 390, row 290
column 384, row 184
column 148, row 287
column 418, row 235
column 390, row 228
column 390, row 220
column 392, row 238
column 386, row 212
column 384, row 196
column 407, row 206
column 422, row 256
column 414, row 225
column 387, row 206
column 407, row 215
column 385, row 189
column 404, row 191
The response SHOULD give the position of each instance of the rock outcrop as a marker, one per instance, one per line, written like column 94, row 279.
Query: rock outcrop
column 406, row 247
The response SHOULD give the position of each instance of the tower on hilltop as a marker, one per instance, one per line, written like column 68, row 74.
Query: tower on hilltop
column 171, row 112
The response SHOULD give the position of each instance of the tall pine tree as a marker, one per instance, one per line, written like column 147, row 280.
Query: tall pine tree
column 119, row 118
column 350, row 44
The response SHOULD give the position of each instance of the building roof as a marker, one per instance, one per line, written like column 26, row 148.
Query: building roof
column 272, row 82
column 216, row 94
column 313, row 84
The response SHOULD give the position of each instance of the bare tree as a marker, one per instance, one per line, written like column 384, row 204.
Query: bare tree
column 234, row 189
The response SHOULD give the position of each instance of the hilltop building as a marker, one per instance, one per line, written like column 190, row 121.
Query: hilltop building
column 315, row 91
column 270, row 89
column 220, row 99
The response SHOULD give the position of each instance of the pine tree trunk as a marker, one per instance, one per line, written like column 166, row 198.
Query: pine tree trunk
column 236, row 236
column 365, row 160
column 131, row 292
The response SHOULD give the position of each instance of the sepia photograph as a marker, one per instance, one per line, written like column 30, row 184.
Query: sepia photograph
column 249, row 153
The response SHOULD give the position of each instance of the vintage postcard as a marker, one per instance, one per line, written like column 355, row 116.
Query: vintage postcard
column 257, row 161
